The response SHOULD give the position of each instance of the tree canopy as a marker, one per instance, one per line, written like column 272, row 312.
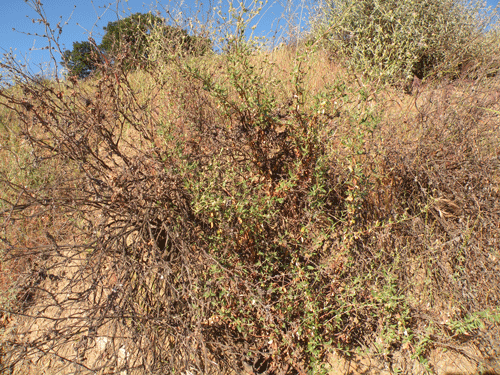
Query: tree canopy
column 134, row 37
column 81, row 60
column 130, row 33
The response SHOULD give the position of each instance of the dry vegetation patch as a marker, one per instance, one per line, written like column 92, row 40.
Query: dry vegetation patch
column 249, row 211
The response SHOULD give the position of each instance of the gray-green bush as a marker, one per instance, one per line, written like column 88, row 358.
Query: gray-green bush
column 393, row 41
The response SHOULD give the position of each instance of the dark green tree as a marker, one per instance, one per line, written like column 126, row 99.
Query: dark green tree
column 130, row 34
column 133, row 34
column 82, row 60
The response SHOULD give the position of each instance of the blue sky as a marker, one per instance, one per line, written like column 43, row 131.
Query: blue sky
column 81, row 18
column 86, row 17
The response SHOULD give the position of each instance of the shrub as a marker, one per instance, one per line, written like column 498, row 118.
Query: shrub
column 246, row 211
column 396, row 40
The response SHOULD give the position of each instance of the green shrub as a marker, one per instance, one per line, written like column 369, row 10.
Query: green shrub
column 397, row 40
column 247, row 210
